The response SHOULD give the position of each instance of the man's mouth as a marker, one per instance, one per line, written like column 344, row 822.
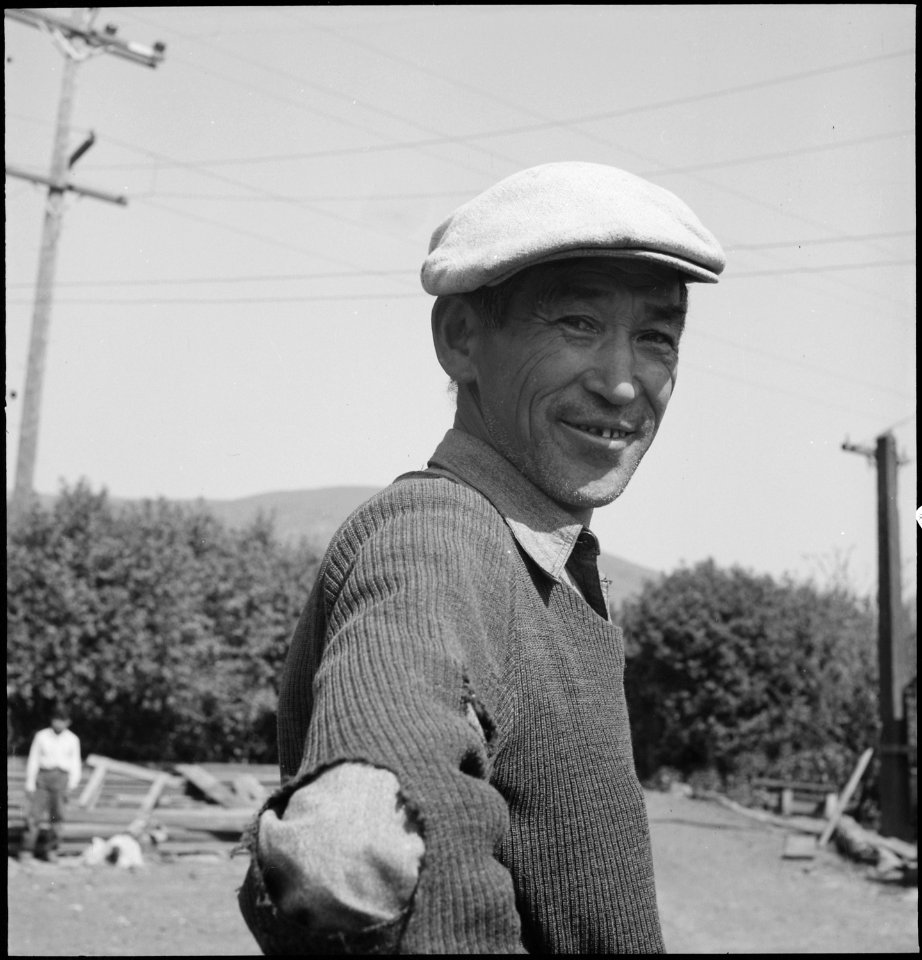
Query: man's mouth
column 606, row 433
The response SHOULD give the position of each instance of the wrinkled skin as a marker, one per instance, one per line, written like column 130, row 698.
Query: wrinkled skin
column 585, row 347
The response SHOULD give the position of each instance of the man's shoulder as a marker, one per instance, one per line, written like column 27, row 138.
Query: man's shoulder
column 424, row 493
column 418, row 503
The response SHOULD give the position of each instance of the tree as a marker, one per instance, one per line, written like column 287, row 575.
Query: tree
column 732, row 672
column 161, row 628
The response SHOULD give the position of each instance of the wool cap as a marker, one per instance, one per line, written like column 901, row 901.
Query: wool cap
column 562, row 210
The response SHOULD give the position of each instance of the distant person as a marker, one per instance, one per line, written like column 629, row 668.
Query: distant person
column 453, row 734
column 52, row 773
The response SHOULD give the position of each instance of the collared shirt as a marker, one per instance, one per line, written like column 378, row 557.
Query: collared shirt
column 560, row 545
column 54, row 751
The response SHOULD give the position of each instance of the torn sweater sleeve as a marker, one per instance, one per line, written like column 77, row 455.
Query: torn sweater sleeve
column 403, row 619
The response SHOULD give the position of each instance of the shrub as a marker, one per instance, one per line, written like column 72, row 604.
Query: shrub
column 162, row 629
column 737, row 674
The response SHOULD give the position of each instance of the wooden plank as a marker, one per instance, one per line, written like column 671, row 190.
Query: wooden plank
column 129, row 769
column 786, row 803
column 208, row 784
column 248, row 790
column 799, row 847
column 152, row 796
column 798, row 786
column 93, row 788
column 846, row 795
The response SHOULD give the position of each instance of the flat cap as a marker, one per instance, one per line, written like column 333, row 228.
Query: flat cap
column 562, row 210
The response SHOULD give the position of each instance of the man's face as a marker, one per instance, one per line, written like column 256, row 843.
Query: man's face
column 59, row 725
column 573, row 387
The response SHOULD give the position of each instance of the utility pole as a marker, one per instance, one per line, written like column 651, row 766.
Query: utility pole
column 77, row 40
column 896, row 817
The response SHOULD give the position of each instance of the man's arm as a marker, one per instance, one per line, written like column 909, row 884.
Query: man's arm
column 32, row 763
column 75, row 768
column 407, row 633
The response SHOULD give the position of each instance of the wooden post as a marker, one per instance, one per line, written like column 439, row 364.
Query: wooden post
column 94, row 785
column 845, row 796
column 894, row 765
column 24, row 484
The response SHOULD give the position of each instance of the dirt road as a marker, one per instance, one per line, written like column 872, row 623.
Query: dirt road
column 723, row 888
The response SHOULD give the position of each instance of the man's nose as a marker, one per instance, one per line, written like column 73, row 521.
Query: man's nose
column 613, row 372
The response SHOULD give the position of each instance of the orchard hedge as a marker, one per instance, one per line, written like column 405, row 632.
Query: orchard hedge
column 163, row 630
column 739, row 675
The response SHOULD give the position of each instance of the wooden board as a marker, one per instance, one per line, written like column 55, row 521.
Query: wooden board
column 208, row 783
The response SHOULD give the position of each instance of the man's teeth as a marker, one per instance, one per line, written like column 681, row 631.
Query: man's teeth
column 606, row 433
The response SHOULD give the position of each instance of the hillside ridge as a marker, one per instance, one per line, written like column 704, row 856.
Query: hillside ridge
column 313, row 516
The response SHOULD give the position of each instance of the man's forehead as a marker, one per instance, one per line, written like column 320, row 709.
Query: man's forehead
column 662, row 290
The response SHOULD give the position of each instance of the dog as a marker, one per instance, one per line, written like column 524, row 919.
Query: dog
column 125, row 850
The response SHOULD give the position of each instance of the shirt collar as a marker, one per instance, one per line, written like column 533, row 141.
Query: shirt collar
column 544, row 530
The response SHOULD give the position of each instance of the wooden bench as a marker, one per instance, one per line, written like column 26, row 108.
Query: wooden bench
column 819, row 797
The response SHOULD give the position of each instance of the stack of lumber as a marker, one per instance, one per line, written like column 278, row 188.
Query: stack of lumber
column 200, row 807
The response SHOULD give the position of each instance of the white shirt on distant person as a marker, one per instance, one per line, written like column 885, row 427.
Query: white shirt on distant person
column 54, row 751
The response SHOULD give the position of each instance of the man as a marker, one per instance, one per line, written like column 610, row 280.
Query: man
column 52, row 772
column 454, row 742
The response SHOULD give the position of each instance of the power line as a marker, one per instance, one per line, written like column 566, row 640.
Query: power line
column 785, row 154
column 195, row 168
column 817, row 241
column 828, row 268
column 793, row 361
column 659, row 171
column 317, row 198
column 844, row 66
column 403, row 272
column 301, row 298
column 252, row 278
column 549, row 124
column 442, row 138
column 775, row 389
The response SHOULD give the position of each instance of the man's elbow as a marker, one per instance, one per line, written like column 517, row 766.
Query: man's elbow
column 344, row 856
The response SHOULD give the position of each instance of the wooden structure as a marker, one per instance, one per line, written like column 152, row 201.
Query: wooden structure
column 200, row 807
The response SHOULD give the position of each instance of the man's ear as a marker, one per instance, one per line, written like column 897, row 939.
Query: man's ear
column 455, row 331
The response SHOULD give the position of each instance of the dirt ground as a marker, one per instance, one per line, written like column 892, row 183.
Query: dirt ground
column 723, row 888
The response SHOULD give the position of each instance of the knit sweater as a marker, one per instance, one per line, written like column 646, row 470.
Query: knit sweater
column 427, row 610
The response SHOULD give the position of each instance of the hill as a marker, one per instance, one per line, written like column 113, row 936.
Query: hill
column 315, row 515
column 309, row 515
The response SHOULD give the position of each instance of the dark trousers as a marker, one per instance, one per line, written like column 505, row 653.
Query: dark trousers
column 47, row 805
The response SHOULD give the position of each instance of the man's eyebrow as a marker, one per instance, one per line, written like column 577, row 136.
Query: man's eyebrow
column 570, row 290
column 668, row 313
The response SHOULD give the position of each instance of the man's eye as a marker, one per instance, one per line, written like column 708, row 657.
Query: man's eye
column 581, row 324
column 658, row 337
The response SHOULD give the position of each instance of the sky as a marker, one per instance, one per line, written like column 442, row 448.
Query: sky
column 252, row 320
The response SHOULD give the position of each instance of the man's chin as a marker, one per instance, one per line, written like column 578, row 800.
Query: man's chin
column 602, row 491
column 590, row 496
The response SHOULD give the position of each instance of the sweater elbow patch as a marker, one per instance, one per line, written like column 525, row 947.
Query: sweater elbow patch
column 345, row 855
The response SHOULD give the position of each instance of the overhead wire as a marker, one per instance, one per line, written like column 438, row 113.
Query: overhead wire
column 825, row 268
column 549, row 124
column 362, row 224
column 691, row 170
column 775, row 389
column 573, row 121
column 662, row 172
column 332, row 92
column 371, row 272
